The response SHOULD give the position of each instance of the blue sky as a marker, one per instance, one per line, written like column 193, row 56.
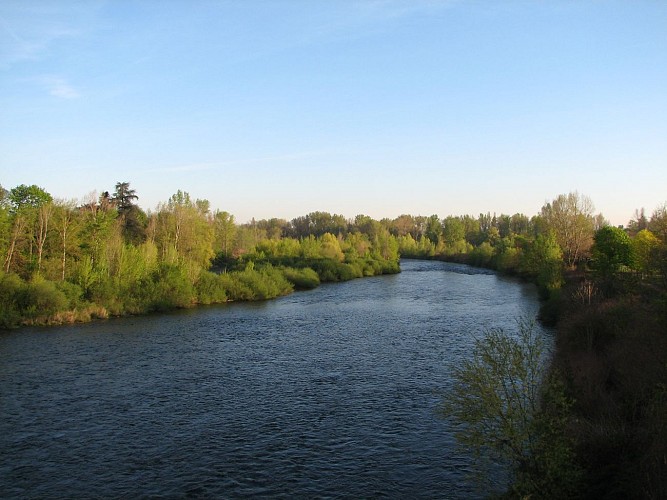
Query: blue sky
column 280, row 108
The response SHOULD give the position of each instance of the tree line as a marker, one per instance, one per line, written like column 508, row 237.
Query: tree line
column 65, row 260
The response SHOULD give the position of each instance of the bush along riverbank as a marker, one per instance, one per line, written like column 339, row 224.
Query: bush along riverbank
column 38, row 301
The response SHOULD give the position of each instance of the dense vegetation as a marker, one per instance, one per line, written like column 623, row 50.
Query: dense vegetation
column 66, row 261
column 597, row 428
column 601, row 418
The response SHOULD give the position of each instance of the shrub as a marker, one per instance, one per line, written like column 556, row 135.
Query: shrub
column 302, row 279
column 505, row 412
column 172, row 288
column 42, row 298
column 210, row 289
column 11, row 288
column 73, row 293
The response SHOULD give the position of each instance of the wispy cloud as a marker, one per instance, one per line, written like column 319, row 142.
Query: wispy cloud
column 56, row 86
column 29, row 28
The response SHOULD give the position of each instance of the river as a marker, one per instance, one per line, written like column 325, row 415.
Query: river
column 330, row 393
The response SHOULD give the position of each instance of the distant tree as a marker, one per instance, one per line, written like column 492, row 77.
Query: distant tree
column 645, row 246
column 330, row 248
column 26, row 197
column 29, row 211
column 133, row 219
column 638, row 223
column 520, row 224
column 225, row 233
column 274, row 228
column 485, row 222
column 44, row 213
column 318, row 223
column 4, row 198
column 570, row 217
column 367, row 225
column 543, row 260
column 504, row 225
column 473, row 233
column 406, row 224
column 5, row 222
column 385, row 245
column 433, row 229
column 493, row 235
column 453, row 230
column 98, row 217
column 658, row 223
column 611, row 251
column 65, row 218
column 183, row 227
column 124, row 197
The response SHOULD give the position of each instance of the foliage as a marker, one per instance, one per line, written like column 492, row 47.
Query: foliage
column 504, row 412
column 210, row 288
column 26, row 197
column 611, row 251
column 11, row 288
column 571, row 218
column 302, row 279
column 646, row 249
column 543, row 261
column 614, row 351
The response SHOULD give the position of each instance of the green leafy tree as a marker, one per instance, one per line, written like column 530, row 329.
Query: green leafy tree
column 386, row 246
column 97, row 224
column 185, row 226
column 543, row 261
column 367, row 225
column 407, row 246
column 330, row 248
column 406, row 224
column 645, row 247
column 612, row 250
column 453, row 230
column 507, row 411
column 520, row 224
column 318, row 223
column 24, row 197
column 274, row 228
column 66, row 218
column 29, row 210
column 433, row 229
column 225, row 233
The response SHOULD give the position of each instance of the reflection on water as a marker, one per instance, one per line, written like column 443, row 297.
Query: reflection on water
column 326, row 393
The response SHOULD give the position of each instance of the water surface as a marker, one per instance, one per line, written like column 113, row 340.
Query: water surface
column 327, row 393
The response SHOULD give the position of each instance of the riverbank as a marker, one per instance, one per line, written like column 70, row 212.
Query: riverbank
column 40, row 302
column 611, row 354
column 611, row 348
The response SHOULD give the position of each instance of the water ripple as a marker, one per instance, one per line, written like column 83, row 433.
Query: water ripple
column 323, row 394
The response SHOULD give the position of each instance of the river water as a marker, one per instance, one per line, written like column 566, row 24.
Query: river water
column 330, row 393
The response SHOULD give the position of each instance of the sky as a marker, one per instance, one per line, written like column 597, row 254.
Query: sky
column 386, row 107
